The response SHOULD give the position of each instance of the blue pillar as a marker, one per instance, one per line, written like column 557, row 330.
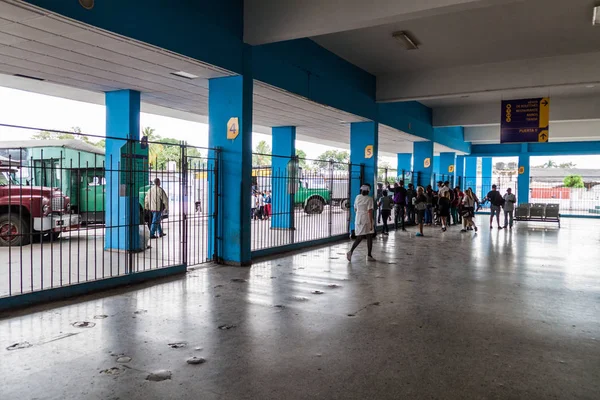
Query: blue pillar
column 447, row 166
column 423, row 162
column 459, row 172
column 284, row 151
column 436, row 167
column 486, row 175
column 122, row 203
column 523, row 179
column 404, row 162
column 471, row 174
column 364, row 143
column 230, row 107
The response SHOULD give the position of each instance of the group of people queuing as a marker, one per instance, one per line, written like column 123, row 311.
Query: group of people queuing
column 261, row 205
column 424, row 206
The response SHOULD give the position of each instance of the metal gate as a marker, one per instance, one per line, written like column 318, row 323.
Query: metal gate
column 69, row 216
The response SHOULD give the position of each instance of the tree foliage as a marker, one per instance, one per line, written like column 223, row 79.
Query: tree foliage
column 262, row 154
column 305, row 165
column 340, row 158
column 573, row 181
column 75, row 135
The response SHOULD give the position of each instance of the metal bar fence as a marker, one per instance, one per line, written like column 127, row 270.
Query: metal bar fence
column 68, row 215
column 578, row 195
column 293, row 204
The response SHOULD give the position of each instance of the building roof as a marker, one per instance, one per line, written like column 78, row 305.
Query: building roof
column 72, row 144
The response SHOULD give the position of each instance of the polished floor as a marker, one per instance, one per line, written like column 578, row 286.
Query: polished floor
column 494, row 315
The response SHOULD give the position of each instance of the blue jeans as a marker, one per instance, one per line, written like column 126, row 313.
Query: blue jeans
column 156, row 218
column 428, row 214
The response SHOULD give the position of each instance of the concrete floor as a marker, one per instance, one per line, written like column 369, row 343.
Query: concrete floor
column 497, row 315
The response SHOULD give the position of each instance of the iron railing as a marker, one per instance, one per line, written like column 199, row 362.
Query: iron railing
column 68, row 215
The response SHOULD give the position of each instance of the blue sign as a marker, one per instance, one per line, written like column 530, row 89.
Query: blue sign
column 525, row 120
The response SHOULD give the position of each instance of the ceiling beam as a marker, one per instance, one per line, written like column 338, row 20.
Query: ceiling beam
column 269, row 21
column 561, row 109
column 568, row 71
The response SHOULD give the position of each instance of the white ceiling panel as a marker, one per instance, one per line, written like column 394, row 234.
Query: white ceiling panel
column 10, row 40
column 15, row 13
column 53, row 25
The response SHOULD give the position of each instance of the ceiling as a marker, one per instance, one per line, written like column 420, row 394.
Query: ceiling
column 524, row 29
column 66, row 54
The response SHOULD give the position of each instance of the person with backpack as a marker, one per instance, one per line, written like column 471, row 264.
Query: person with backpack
column 497, row 201
column 399, row 204
column 509, row 207
column 420, row 207
column 385, row 204
column 468, row 211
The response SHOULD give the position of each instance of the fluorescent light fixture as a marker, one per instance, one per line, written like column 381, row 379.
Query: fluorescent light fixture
column 596, row 17
column 404, row 38
column 590, row 86
column 184, row 74
column 29, row 77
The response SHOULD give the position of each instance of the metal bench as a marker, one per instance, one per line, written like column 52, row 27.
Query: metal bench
column 538, row 212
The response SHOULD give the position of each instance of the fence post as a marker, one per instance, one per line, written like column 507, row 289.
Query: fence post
column 183, row 205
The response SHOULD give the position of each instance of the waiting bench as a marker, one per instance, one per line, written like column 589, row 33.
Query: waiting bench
column 538, row 212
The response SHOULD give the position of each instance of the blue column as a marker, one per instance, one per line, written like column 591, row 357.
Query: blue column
column 436, row 166
column 423, row 162
column 230, row 106
column 404, row 162
column 486, row 175
column 471, row 174
column 447, row 165
column 523, row 179
column 364, row 143
column 284, row 151
column 460, row 171
column 122, row 211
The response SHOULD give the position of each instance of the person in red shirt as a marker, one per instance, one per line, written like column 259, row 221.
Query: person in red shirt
column 456, row 205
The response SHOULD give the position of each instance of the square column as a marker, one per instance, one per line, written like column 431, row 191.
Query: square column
column 283, row 175
column 523, row 179
column 364, row 143
column 447, row 166
column 122, row 212
column 436, row 166
column 486, row 176
column 459, row 172
column 230, row 131
column 423, row 162
column 404, row 162
column 471, row 174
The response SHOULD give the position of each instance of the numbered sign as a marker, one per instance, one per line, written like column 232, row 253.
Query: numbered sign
column 521, row 170
column 451, row 168
column 233, row 128
column 369, row 151
column 427, row 162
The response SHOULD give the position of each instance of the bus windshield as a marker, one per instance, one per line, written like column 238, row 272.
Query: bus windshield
column 5, row 179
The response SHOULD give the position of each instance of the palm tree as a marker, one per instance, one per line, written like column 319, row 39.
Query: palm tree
column 155, row 148
column 550, row 164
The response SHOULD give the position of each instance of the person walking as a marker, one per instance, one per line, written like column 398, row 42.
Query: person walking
column 157, row 202
column 444, row 208
column 268, row 202
column 385, row 205
column 468, row 211
column 411, row 194
column 364, row 222
column 497, row 201
column 379, row 196
column 420, row 207
column 509, row 207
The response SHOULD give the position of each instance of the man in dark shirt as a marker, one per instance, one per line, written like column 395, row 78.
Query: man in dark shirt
column 399, row 204
column 496, row 200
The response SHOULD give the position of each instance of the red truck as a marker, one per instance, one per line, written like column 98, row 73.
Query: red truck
column 28, row 213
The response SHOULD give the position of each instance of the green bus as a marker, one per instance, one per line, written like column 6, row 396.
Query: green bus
column 74, row 166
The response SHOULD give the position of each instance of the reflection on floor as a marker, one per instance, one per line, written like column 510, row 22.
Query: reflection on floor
column 498, row 314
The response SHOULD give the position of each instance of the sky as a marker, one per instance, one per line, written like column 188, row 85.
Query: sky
column 47, row 112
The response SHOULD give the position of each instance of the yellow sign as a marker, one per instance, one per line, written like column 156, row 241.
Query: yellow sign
column 233, row 128
column 451, row 168
column 543, row 136
column 521, row 170
column 369, row 151
column 427, row 163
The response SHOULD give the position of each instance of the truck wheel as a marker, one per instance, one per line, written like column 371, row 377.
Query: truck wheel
column 345, row 204
column 314, row 206
column 14, row 231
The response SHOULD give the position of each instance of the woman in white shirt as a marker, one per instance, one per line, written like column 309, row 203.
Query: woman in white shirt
column 364, row 223
column 468, row 210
